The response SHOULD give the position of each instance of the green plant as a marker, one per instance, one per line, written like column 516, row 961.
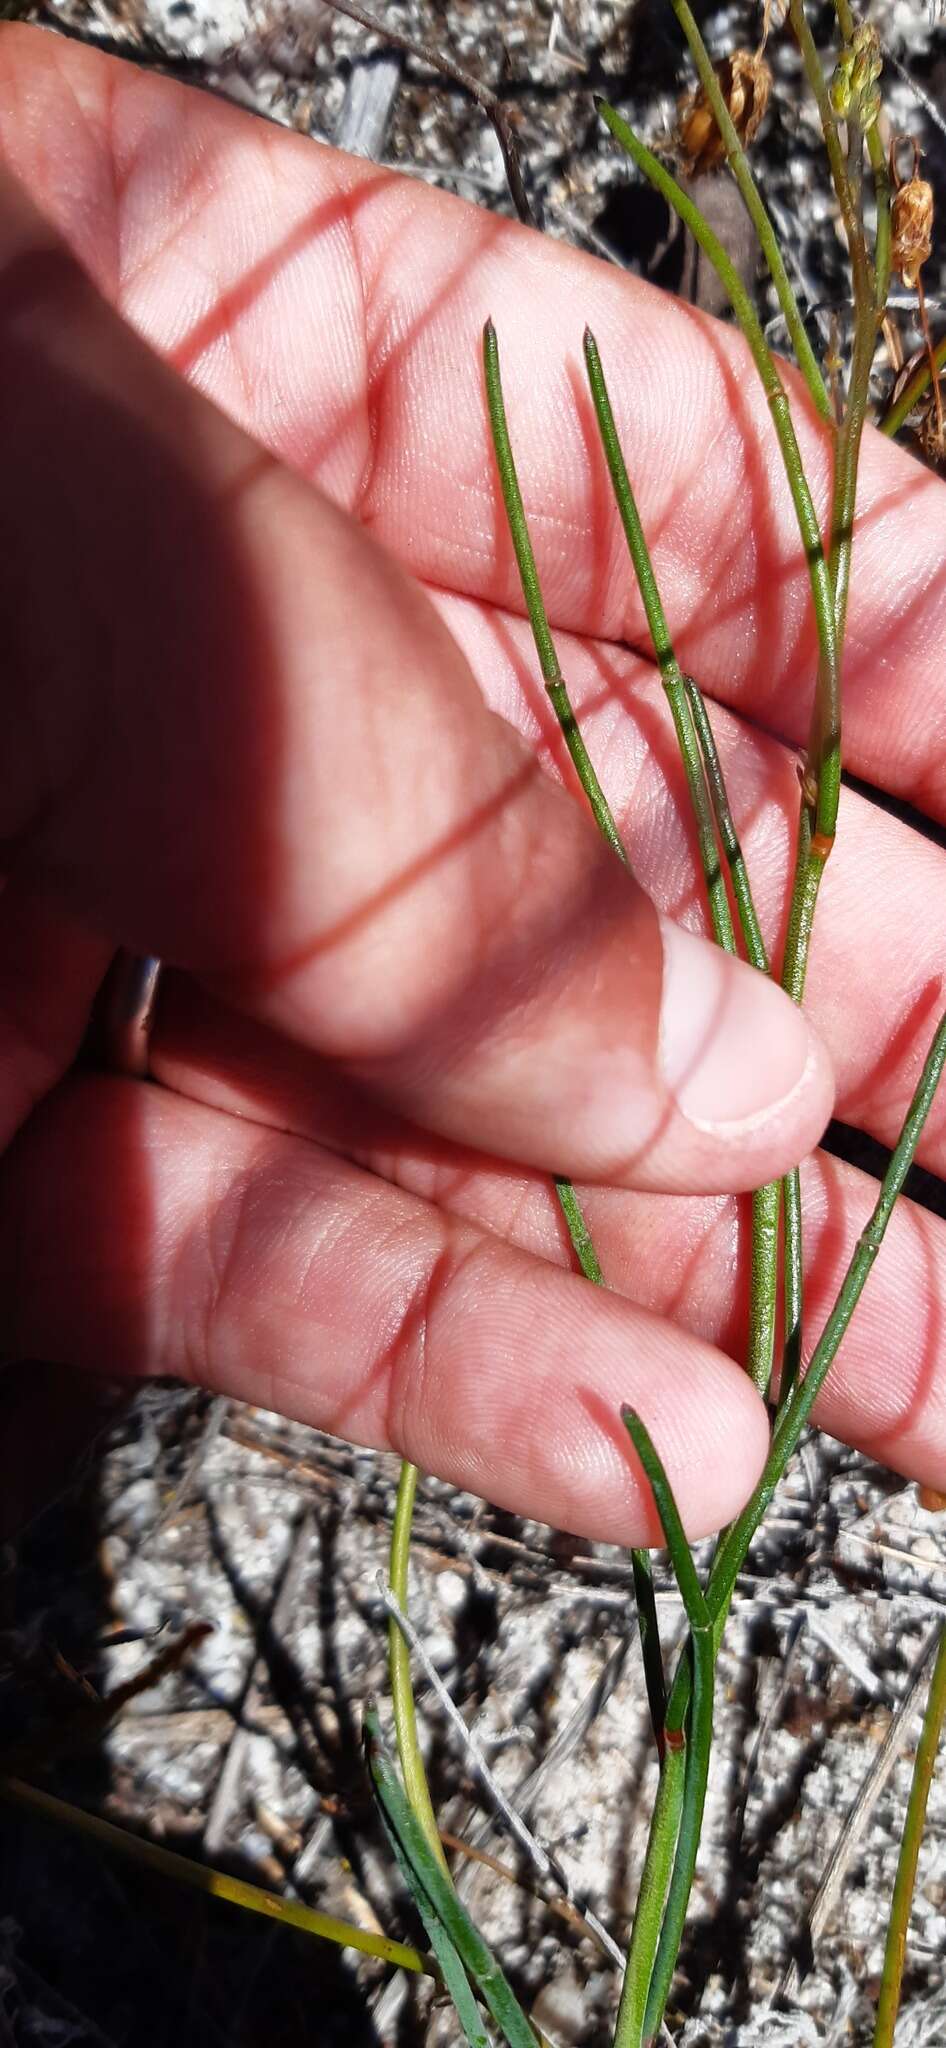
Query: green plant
column 681, row 1703
column 888, row 2004
column 680, row 1700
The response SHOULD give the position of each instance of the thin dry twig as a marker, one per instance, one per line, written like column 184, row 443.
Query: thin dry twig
column 227, row 1790
column 546, row 1865
column 181, row 1494
column 439, row 61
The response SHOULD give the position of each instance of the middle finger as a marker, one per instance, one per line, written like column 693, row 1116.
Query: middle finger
column 875, row 980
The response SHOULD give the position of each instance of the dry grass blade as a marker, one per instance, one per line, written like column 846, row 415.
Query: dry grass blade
column 216, row 1884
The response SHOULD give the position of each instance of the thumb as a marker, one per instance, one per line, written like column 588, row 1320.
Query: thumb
column 253, row 748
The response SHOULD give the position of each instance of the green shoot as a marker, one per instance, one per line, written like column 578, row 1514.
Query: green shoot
column 698, row 1739
column 898, row 1929
column 712, row 813
column 399, row 1668
column 531, row 590
column 427, row 1883
column 768, row 241
column 604, row 818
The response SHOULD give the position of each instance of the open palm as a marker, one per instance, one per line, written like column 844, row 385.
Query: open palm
column 319, row 775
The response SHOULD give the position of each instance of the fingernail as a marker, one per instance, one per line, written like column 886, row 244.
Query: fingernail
column 732, row 1046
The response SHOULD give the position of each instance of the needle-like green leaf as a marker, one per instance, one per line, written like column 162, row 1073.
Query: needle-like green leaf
column 427, row 1883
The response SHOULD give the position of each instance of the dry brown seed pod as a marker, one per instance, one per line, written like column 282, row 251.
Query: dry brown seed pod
column 745, row 82
column 911, row 221
column 911, row 229
column 932, row 437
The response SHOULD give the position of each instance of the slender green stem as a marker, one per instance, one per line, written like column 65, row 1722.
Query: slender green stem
column 651, row 1898
column 699, row 1732
column 820, row 795
column 427, row 1876
column 814, row 73
column 809, row 866
column 766, row 1201
column 792, row 1286
column 647, row 1623
column 729, row 839
column 712, row 813
column 820, row 805
column 455, row 1980
column 651, row 1653
column 821, row 782
column 882, row 240
column 763, row 1284
column 825, row 765
column 579, row 1232
column 696, row 1774
column 531, row 590
column 847, row 176
column 899, row 1925
column 807, row 877
column 669, row 1808
column 796, row 1411
column 792, row 1418
column 768, row 240
column 545, row 648
column 712, row 810
column 399, row 1668
column 913, row 391
column 691, row 1592
column 217, row 1884
column 670, row 670
column 855, row 412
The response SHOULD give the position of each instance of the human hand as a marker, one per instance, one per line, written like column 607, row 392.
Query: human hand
column 412, row 983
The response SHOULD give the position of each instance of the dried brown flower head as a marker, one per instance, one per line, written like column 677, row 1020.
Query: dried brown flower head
column 746, row 82
column 911, row 224
column 930, row 433
column 911, row 233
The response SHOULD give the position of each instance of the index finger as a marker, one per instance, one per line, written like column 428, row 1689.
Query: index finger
column 335, row 310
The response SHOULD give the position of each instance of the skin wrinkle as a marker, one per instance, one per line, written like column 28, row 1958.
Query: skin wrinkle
column 189, row 202
column 336, row 1241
